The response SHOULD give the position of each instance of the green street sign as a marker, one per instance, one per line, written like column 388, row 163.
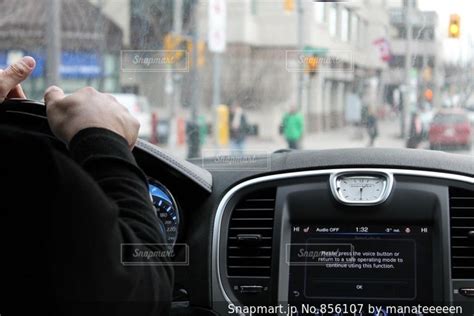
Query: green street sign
column 315, row 51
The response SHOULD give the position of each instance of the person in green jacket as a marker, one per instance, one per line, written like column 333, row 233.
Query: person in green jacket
column 292, row 127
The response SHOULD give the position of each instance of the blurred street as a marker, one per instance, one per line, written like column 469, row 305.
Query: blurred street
column 259, row 75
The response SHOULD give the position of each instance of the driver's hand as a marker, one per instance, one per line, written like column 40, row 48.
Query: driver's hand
column 67, row 115
column 11, row 77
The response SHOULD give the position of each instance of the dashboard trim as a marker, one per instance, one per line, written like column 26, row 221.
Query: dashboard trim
column 215, row 254
column 198, row 175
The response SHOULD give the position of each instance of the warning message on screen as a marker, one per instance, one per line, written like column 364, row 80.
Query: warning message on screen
column 365, row 267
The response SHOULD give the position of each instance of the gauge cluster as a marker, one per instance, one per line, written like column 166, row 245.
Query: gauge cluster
column 166, row 210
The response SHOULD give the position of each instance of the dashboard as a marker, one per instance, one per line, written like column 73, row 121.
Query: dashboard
column 325, row 237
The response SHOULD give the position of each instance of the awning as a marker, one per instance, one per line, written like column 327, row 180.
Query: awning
column 23, row 26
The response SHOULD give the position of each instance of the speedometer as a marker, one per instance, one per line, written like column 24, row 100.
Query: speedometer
column 166, row 210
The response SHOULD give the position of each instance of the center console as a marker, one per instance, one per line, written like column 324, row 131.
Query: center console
column 350, row 238
column 383, row 254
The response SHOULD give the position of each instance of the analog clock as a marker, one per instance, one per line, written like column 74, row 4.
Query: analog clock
column 361, row 188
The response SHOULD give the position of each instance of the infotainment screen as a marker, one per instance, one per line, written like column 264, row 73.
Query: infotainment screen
column 334, row 263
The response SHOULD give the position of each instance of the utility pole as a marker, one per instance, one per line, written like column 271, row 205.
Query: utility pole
column 176, row 102
column 102, row 42
column 53, row 48
column 216, row 32
column 300, row 43
column 178, row 17
column 194, row 149
column 408, row 58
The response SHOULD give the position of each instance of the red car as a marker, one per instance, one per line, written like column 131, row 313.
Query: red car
column 450, row 128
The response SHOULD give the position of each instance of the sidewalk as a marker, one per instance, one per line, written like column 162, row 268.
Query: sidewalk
column 345, row 137
column 352, row 137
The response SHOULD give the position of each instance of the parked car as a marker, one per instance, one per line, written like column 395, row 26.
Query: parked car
column 450, row 127
column 140, row 108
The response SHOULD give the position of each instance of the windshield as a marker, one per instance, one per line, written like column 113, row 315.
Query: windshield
column 256, row 76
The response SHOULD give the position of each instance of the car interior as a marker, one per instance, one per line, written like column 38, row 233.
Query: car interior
column 336, row 229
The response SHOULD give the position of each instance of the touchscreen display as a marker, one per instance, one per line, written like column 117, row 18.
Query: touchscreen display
column 330, row 263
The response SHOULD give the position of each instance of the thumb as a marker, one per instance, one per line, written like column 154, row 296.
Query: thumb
column 15, row 73
column 52, row 94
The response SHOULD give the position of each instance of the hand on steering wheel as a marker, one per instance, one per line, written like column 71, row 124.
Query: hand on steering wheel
column 67, row 115
column 12, row 76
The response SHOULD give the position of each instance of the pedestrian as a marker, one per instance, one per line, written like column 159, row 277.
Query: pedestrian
column 292, row 127
column 372, row 126
column 416, row 131
column 238, row 126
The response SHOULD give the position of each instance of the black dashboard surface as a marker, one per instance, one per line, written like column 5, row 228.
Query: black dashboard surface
column 197, row 277
column 415, row 159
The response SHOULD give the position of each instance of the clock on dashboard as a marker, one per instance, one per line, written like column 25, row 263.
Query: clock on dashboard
column 359, row 188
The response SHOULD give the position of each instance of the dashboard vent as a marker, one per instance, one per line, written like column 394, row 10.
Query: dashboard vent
column 462, row 233
column 249, row 245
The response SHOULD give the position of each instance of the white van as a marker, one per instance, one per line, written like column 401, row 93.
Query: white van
column 139, row 107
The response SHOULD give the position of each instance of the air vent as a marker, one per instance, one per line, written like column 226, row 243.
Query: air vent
column 462, row 233
column 249, row 244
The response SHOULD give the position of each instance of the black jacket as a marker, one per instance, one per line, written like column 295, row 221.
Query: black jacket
column 63, row 222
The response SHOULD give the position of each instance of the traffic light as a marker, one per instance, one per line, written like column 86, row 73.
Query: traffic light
column 172, row 45
column 201, row 52
column 289, row 5
column 454, row 26
column 168, row 42
column 312, row 64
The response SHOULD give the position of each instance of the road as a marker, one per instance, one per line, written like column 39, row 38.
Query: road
column 346, row 137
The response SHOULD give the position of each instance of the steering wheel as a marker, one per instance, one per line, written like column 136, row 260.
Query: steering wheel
column 24, row 113
column 28, row 115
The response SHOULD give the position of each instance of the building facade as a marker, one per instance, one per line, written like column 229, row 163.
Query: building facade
column 261, row 63
column 425, row 64
column 260, row 68
column 89, row 44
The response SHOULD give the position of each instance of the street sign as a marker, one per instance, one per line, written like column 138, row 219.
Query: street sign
column 76, row 65
column 383, row 46
column 316, row 51
column 217, row 26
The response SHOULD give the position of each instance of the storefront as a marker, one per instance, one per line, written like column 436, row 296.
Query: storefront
column 90, row 45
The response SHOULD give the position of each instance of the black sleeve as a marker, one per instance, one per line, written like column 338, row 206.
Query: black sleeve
column 98, row 214
column 63, row 223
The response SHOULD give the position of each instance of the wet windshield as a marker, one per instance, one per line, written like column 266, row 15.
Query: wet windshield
column 257, row 76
